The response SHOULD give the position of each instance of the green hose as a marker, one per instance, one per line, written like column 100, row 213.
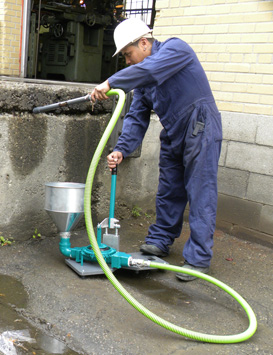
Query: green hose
column 224, row 339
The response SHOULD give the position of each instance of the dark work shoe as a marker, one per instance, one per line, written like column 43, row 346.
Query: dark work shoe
column 152, row 250
column 186, row 277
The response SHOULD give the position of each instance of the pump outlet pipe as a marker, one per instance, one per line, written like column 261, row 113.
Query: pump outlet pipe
column 224, row 339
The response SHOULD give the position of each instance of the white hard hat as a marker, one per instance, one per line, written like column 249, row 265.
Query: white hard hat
column 129, row 31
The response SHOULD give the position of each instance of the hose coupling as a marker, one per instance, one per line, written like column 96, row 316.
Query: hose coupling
column 138, row 262
column 65, row 235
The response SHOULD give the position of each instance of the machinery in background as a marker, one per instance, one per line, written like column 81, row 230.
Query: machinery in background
column 72, row 40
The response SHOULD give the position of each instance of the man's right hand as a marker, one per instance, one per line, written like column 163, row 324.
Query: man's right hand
column 114, row 159
column 99, row 93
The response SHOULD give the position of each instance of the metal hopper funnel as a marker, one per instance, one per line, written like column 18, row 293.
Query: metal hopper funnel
column 64, row 203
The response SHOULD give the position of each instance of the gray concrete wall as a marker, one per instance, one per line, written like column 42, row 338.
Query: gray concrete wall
column 246, row 177
column 138, row 177
column 35, row 149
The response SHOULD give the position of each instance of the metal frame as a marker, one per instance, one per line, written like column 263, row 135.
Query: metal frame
column 145, row 9
column 25, row 37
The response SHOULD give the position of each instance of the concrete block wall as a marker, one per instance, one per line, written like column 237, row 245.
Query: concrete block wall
column 234, row 42
column 47, row 147
column 58, row 146
column 10, row 37
column 246, row 176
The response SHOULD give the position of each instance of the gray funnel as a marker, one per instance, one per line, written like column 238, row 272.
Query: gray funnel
column 64, row 202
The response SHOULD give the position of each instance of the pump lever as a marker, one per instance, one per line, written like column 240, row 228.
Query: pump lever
column 110, row 239
column 113, row 194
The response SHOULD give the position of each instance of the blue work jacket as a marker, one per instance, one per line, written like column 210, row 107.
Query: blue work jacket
column 171, row 81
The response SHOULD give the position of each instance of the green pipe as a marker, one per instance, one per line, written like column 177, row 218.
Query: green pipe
column 224, row 339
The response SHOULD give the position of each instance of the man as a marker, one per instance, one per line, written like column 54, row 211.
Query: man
column 168, row 78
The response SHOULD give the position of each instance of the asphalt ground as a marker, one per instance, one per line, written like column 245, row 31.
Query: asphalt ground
column 90, row 317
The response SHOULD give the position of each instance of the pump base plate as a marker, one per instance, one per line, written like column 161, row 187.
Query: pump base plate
column 87, row 269
column 90, row 269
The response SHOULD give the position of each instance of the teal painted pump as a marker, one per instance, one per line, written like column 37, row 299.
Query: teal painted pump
column 111, row 255
column 64, row 203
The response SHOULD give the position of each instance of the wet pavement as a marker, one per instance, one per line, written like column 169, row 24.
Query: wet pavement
column 67, row 314
column 17, row 335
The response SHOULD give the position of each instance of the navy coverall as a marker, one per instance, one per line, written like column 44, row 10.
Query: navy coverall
column 172, row 82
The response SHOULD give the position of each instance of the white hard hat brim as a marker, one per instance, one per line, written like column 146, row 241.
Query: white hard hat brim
column 147, row 35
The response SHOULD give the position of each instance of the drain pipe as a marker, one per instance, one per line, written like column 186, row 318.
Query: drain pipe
column 224, row 339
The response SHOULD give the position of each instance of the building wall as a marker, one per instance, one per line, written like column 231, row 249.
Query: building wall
column 46, row 147
column 234, row 42
column 10, row 37
column 58, row 146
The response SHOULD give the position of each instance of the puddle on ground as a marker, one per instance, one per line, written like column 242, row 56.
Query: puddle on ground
column 17, row 336
column 154, row 288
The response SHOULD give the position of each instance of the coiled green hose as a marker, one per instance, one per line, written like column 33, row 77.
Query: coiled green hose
column 92, row 237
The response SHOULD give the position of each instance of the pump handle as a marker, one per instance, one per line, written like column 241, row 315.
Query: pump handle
column 57, row 105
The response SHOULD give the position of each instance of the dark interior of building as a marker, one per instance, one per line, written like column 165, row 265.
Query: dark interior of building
column 72, row 40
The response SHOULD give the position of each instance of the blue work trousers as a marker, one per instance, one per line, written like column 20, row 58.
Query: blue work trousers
column 188, row 173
